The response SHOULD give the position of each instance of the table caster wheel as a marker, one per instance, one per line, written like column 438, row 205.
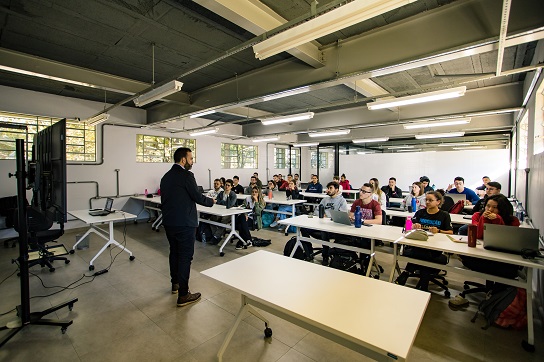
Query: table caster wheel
column 72, row 251
column 466, row 287
column 131, row 258
column 135, row 221
column 268, row 332
column 70, row 307
column 152, row 228
column 376, row 277
column 221, row 254
column 51, row 270
column 67, row 262
column 157, row 230
column 447, row 293
column 528, row 347
column 91, row 267
column 63, row 330
column 286, row 234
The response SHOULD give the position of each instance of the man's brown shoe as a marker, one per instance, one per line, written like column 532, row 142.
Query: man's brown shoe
column 187, row 299
column 175, row 288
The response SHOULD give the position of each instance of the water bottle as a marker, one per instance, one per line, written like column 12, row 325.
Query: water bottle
column 203, row 238
column 269, row 194
column 434, row 187
column 145, row 192
column 321, row 211
column 414, row 204
column 408, row 225
column 519, row 212
column 358, row 217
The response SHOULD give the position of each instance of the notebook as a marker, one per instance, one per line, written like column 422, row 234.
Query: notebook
column 457, row 197
column 107, row 209
column 341, row 217
column 510, row 239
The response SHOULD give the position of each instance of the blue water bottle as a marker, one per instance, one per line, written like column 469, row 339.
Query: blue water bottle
column 358, row 217
column 414, row 204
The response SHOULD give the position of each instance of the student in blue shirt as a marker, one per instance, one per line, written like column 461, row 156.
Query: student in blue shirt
column 458, row 187
column 315, row 186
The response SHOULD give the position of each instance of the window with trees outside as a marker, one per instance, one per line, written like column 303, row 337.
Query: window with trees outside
column 323, row 159
column 295, row 158
column 158, row 149
column 280, row 159
column 80, row 138
column 239, row 156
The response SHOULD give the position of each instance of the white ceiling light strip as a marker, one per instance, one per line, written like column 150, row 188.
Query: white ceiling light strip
column 158, row 93
column 289, row 118
column 371, row 140
column 329, row 133
column 439, row 135
column 418, row 98
column 452, row 122
column 200, row 114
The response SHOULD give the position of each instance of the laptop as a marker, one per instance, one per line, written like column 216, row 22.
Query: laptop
column 456, row 197
column 107, row 209
column 279, row 195
column 340, row 217
column 510, row 239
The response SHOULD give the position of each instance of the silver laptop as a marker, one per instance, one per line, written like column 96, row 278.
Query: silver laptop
column 279, row 195
column 341, row 217
column 510, row 239
column 457, row 197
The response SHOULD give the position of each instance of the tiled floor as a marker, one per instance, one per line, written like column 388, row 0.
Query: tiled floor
column 129, row 314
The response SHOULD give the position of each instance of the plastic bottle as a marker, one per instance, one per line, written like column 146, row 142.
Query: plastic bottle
column 269, row 194
column 414, row 204
column 358, row 217
column 519, row 212
column 203, row 238
column 434, row 187
column 408, row 225
column 145, row 192
column 321, row 211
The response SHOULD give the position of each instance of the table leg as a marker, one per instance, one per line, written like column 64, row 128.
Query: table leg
column 530, row 326
column 232, row 233
column 372, row 258
column 230, row 333
column 111, row 240
column 298, row 244
column 395, row 262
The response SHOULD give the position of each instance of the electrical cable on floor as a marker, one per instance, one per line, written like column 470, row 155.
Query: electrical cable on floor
column 9, row 276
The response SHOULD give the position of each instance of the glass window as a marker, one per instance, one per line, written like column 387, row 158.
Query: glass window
column 158, row 149
column 539, row 122
column 80, row 138
column 280, row 161
column 239, row 156
column 323, row 159
column 295, row 158
column 523, row 135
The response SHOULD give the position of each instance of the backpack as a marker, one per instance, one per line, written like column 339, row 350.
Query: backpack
column 299, row 254
column 204, row 228
column 346, row 260
column 515, row 315
column 457, row 207
column 494, row 304
column 267, row 219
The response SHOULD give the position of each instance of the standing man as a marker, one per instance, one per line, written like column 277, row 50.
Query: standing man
column 180, row 195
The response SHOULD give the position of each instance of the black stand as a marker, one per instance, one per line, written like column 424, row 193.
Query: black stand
column 26, row 318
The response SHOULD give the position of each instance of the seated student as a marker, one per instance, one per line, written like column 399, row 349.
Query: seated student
column 492, row 188
column 431, row 219
column 333, row 201
column 282, row 183
column 497, row 210
column 252, row 184
column 337, row 180
column 298, row 183
column 447, row 203
column 272, row 186
column 377, row 193
column 370, row 208
column 227, row 198
column 315, row 186
column 291, row 193
column 236, row 187
column 344, row 183
column 458, row 187
column 425, row 181
column 256, row 203
column 216, row 189
column 480, row 190
column 416, row 193
column 391, row 190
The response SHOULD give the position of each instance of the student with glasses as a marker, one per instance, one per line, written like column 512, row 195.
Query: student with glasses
column 370, row 208
column 227, row 198
column 432, row 219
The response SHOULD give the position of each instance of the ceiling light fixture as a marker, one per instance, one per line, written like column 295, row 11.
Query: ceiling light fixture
column 450, row 122
column 158, row 93
column 329, row 133
column 96, row 120
column 203, row 132
column 370, row 140
column 418, row 98
column 289, row 118
column 364, row 153
column 414, row 150
column 200, row 114
column 456, row 144
column 399, row 147
column 288, row 93
column 327, row 23
column 306, row 144
column 439, row 135
column 469, row 148
column 265, row 139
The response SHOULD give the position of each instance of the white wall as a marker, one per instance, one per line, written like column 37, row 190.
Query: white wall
column 440, row 167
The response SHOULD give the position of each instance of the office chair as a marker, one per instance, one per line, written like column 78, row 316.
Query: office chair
column 39, row 226
column 428, row 275
column 7, row 207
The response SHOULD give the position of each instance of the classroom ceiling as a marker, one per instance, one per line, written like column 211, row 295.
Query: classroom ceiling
column 109, row 51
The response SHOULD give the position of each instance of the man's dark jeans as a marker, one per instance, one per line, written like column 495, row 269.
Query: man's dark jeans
column 182, row 249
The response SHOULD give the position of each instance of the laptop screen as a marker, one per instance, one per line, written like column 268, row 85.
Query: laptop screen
column 109, row 204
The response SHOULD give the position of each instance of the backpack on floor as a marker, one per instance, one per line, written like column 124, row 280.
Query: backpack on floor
column 346, row 260
column 203, row 228
column 299, row 253
column 267, row 218
column 494, row 304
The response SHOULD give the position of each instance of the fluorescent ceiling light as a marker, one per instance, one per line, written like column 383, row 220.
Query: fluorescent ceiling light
column 288, row 93
column 327, row 23
column 265, row 139
column 329, row 133
column 93, row 121
column 451, row 122
column 414, row 150
column 289, row 118
column 455, row 144
column 469, row 148
column 371, row 140
column 439, row 135
column 205, row 113
column 305, row 144
column 418, row 98
column 158, row 93
column 203, row 132
column 399, row 147
column 364, row 153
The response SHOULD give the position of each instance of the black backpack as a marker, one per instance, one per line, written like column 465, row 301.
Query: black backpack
column 299, row 254
column 346, row 260
column 494, row 304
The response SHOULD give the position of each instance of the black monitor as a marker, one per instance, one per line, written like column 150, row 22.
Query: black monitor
column 49, row 158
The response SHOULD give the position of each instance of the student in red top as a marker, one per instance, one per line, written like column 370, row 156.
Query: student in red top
column 344, row 182
column 371, row 209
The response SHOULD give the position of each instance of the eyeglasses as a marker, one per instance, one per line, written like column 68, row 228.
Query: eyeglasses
column 228, row 185
column 365, row 192
column 491, row 188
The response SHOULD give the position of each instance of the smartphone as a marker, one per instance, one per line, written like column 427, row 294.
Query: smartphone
column 369, row 225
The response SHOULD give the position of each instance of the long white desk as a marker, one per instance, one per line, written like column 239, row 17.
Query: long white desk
column 442, row 242
column 84, row 216
column 362, row 314
column 374, row 232
column 455, row 218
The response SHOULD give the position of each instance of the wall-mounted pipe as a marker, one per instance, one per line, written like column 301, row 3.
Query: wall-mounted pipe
column 117, row 180
column 209, row 179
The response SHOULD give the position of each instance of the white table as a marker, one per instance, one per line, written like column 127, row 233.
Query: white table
column 291, row 203
column 396, row 200
column 441, row 242
column 455, row 218
column 362, row 314
column 84, row 216
column 374, row 232
column 155, row 200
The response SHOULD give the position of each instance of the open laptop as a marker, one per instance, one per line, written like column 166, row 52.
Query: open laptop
column 279, row 195
column 456, row 197
column 341, row 217
column 107, row 209
column 510, row 239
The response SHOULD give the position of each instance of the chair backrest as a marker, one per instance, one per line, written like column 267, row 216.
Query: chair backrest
column 384, row 217
column 36, row 220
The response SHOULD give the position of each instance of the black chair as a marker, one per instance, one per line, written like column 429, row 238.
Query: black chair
column 426, row 274
column 7, row 208
column 39, row 233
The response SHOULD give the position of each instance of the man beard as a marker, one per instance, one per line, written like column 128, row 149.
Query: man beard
column 188, row 166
